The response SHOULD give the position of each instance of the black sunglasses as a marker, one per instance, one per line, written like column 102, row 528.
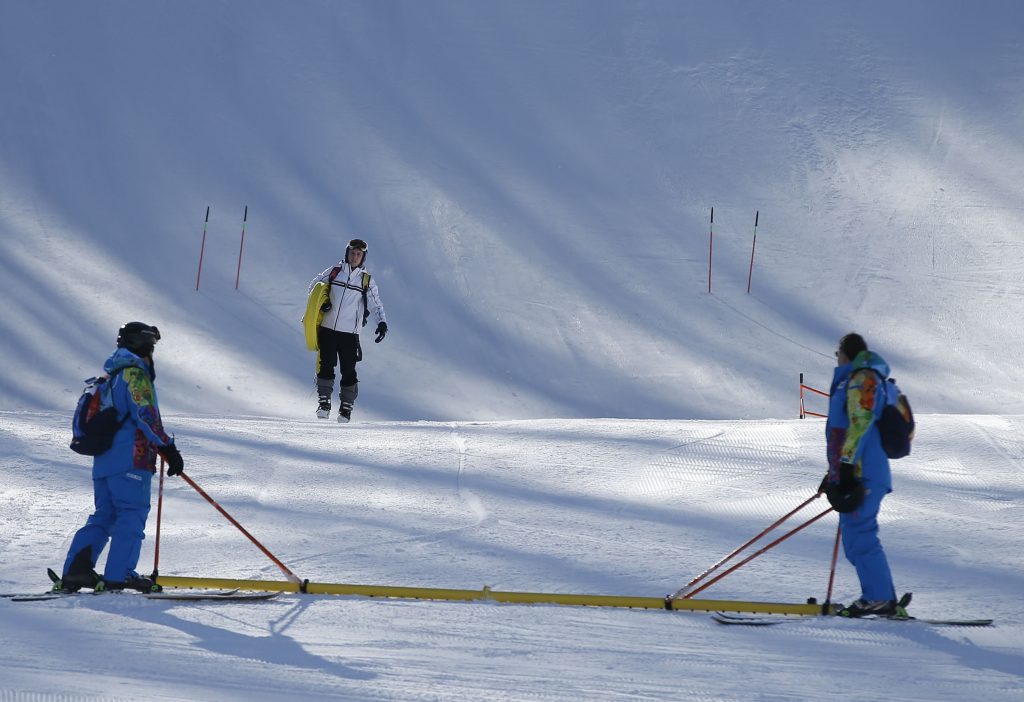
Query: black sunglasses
column 358, row 244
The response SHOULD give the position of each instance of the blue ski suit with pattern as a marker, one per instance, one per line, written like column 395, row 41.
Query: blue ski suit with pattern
column 122, row 476
column 856, row 402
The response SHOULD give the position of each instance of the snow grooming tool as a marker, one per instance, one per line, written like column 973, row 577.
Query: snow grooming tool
column 486, row 594
column 685, row 592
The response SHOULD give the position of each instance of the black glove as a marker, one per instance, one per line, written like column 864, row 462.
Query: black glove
column 848, row 493
column 326, row 306
column 824, row 484
column 173, row 457
column 382, row 331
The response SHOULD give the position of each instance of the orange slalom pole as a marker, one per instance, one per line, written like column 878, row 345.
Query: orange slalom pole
column 711, row 245
column 284, row 569
column 750, row 274
column 751, row 557
column 241, row 247
column 679, row 593
column 202, row 247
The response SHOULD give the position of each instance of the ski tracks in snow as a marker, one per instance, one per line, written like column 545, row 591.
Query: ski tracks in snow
column 472, row 501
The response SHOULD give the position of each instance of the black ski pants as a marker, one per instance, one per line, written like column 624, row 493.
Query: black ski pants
column 341, row 348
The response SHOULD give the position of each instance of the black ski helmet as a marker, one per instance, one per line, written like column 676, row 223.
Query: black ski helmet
column 138, row 337
column 360, row 245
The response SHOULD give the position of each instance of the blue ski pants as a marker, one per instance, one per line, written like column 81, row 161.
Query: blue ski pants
column 122, row 507
column 864, row 549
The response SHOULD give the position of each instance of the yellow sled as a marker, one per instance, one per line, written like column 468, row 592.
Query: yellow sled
column 320, row 294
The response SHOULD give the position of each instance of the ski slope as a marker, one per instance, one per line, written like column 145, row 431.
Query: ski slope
column 535, row 181
column 620, row 507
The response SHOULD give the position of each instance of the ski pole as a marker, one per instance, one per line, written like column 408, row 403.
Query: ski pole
column 159, row 515
column 678, row 593
column 284, row 569
column 751, row 557
column 832, row 572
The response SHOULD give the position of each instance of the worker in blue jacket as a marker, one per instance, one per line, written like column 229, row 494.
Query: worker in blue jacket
column 858, row 476
column 122, row 475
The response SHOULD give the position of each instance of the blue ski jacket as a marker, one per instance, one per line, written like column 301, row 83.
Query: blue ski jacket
column 142, row 433
column 851, row 433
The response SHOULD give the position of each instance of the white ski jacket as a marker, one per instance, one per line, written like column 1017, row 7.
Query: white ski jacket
column 346, row 312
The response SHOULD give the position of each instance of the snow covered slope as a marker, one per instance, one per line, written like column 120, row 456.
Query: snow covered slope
column 618, row 507
column 535, row 181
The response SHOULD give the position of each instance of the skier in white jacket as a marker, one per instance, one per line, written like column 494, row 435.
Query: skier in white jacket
column 353, row 293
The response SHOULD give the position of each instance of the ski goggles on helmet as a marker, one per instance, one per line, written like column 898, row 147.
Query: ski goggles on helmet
column 358, row 244
column 138, row 337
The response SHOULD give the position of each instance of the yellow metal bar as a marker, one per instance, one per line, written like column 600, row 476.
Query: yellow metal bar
column 486, row 594
column 412, row 593
column 228, row 583
column 747, row 607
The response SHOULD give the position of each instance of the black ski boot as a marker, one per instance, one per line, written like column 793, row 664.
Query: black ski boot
column 80, row 574
column 345, row 413
column 139, row 583
column 73, row 582
column 323, row 411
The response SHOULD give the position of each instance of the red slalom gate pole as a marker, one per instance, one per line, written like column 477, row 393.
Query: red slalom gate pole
column 202, row 247
column 159, row 516
column 750, row 274
column 241, row 246
column 804, row 413
column 679, row 593
column 751, row 557
column 284, row 569
column 711, row 245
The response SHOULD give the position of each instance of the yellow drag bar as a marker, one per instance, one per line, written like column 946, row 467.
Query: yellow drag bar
column 488, row 595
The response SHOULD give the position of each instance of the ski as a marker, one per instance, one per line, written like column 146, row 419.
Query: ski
column 741, row 620
column 223, row 596
column 33, row 596
column 208, row 595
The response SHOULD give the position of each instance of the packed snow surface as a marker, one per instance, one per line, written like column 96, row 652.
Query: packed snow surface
column 617, row 507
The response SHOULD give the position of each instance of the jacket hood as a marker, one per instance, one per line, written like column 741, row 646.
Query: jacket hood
column 123, row 358
column 870, row 359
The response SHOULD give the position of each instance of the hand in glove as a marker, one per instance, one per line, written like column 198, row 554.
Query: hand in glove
column 382, row 331
column 175, row 465
column 848, row 493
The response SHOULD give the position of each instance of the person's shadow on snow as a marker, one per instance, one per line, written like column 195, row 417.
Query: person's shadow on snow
column 277, row 648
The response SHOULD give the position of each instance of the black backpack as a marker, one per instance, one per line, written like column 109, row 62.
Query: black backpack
column 95, row 421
